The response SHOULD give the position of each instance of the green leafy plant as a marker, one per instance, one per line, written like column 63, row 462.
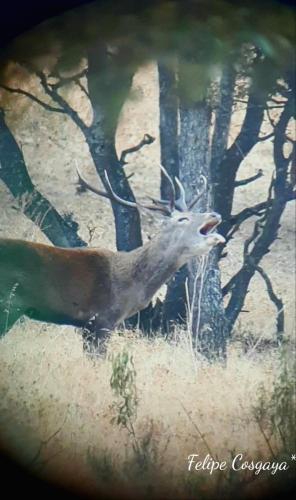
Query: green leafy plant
column 123, row 385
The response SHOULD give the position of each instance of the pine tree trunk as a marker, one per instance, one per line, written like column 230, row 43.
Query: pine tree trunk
column 101, row 142
column 168, row 125
column 174, row 306
column 207, row 318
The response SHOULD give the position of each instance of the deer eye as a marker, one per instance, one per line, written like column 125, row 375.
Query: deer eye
column 182, row 219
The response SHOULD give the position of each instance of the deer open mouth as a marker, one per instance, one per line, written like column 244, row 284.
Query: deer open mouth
column 208, row 228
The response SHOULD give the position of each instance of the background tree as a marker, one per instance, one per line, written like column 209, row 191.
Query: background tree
column 60, row 229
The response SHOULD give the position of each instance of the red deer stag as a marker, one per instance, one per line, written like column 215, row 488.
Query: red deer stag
column 94, row 288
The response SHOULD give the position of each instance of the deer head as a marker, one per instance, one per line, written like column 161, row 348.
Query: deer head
column 191, row 234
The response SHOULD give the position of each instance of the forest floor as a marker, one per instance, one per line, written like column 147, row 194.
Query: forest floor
column 52, row 394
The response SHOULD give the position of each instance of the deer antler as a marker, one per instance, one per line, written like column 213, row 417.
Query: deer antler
column 85, row 184
column 117, row 198
column 173, row 192
column 164, row 206
column 180, row 203
column 173, row 202
column 113, row 196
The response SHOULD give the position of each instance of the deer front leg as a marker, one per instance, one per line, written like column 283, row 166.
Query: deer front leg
column 95, row 338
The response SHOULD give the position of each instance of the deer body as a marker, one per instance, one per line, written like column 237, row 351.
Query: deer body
column 70, row 286
column 97, row 289
column 52, row 284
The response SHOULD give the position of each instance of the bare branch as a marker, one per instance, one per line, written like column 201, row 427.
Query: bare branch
column 69, row 79
column 251, row 105
column 147, row 139
column 266, row 137
column 236, row 220
column 57, row 98
column 52, row 91
column 243, row 182
column 257, row 210
column 266, row 229
column 226, row 171
column 66, row 80
column 275, row 107
column 33, row 98
column 282, row 89
column 271, row 121
column 276, row 101
column 276, row 300
column 289, row 139
column 252, row 239
column 82, row 88
column 242, row 101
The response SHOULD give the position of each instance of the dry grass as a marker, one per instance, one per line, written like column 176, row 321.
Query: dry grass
column 57, row 405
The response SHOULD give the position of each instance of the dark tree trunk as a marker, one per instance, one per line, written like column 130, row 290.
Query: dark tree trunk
column 225, row 174
column 221, row 130
column 101, row 141
column 209, row 326
column 100, row 138
column 174, row 306
column 168, row 125
column 14, row 173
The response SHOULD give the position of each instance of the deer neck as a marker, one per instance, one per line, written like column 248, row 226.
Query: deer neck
column 156, row 262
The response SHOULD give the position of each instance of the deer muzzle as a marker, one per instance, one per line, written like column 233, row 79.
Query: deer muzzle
column 212, row 221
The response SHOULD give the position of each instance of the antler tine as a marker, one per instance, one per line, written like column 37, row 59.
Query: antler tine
column 164, row 209
column 181, row 201
column 195, row 200
column 110, row 196
column 116, row 197
column 159, row 205
column 89, row 187
column 173, row 192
